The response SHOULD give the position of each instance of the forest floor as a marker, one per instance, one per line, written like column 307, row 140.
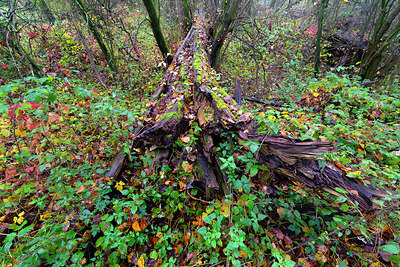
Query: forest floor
column 59, row 135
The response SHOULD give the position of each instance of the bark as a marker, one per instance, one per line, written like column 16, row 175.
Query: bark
column 385, row 32
column 321, row 13
column 44, row 8
column 222, row 29
column 156, row 28
column 96, row 34
column 193, row 105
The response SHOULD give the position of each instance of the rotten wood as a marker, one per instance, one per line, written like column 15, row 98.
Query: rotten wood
column 191, row 103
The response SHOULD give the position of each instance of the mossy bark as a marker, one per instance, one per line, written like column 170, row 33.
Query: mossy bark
column 222, row 29
column 156, row 28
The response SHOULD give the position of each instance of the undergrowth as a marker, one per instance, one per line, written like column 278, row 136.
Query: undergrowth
column 58, row 206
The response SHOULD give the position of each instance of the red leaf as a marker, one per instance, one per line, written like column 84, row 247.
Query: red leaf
column 34, row 105
column 53, row 117
column 30, row 169
column 31, row 125
column 10, row 172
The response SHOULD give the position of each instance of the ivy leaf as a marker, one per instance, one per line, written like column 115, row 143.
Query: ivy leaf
column 391, row 247
column 253, row 170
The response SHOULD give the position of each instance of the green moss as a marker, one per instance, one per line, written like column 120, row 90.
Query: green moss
column 197, row 65
column 174, row 114
column 208, row 113
column 169, row 115
column 222, row 92
column 220, row 102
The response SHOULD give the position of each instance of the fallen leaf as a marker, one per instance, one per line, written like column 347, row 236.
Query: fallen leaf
column 136, row 226
column 280, row 211
column 143, row 224
column 31, row 125
column 19, row 132
column 123, row 227
column 10, row 172
column 186, row 239
column 80, row 189
column 30, row 169
column 140, row 262
column 187, row 167
column 224, row 210
column 53, row 117
column 320, row 257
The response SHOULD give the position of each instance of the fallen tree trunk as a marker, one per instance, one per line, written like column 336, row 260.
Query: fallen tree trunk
column 190, row 107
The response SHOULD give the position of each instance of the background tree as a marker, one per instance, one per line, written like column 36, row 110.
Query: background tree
column 155, row 26
column 107, row 51
column 321, row 13
column 383, row 42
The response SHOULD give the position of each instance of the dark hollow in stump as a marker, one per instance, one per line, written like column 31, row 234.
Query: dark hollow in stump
column 189, row 102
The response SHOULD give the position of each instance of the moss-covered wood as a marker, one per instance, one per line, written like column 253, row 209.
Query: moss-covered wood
column 190, row 113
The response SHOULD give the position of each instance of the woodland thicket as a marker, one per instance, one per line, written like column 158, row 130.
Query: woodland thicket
column 199, row 133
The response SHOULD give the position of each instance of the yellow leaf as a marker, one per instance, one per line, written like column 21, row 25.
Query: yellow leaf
column 271, row 117
column 262, row 114
column 361, row 144
column 321, row 257
column 19, row 132
column 159, row 235
column 280, row 211
column 5, row 132
column 315, row 94
column 140, row 262
column 306, row 229
column 18, row 220
column 119, row 186
column 136, row 226
column 225, row 210
column 45, row 216
column 243, row 254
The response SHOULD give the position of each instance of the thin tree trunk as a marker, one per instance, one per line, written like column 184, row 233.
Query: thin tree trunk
column 96, row 34
column 321, row 13
column 90, row 55
column 383, row 35
column 44, row 8
column 221, row 31
column 158, row 35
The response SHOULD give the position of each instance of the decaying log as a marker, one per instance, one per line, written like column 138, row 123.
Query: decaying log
column 190, row 102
